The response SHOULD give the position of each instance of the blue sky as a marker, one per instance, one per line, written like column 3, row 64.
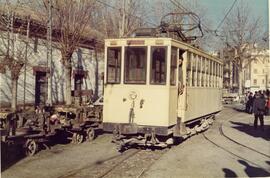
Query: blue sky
column 216, row 9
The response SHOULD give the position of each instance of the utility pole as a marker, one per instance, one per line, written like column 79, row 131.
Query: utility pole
column 26, row 59
column 49, row 52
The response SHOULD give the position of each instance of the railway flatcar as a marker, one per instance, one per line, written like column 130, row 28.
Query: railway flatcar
column 157, row 89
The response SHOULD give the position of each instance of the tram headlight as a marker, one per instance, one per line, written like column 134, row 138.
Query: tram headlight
column 133, row 95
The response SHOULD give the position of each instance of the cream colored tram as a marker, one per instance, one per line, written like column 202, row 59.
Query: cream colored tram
column 156, row 87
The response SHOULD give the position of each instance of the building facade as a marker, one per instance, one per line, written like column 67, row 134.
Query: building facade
column 87, row 68
column 255, row 70
column 259, row 71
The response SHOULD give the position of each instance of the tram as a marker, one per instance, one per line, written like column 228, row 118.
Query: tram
column 156, row 87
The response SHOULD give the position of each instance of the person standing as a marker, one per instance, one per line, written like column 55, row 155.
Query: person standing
column 258, row 110
column 250, row 103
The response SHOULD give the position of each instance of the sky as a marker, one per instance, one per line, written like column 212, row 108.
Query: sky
column 216, row 9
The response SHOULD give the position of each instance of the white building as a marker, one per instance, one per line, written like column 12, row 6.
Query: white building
column 259, row 71
column 87, row 69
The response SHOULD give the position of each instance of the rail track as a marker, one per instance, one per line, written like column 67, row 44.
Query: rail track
column 221, row 133
column 131, row 163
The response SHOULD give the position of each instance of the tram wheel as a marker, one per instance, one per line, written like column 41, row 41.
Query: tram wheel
column 31, row 147
column 77, row 138
column 90, row 134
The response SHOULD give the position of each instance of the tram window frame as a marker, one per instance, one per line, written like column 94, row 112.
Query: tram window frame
column 153, row 81
column 116, row 66
column 173, row 67
column 140, row 65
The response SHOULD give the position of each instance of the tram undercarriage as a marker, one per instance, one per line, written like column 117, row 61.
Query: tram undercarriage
column 132, row 135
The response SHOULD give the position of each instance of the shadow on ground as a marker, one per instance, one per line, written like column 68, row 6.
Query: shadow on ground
column 229, row 173
column 11, row 152
column 252, row 171
column 246, row 128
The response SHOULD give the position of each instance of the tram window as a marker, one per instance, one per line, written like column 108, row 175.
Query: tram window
column 194, row 66
column 206, row 72
column 135, row 65
column 199, row 71
column 173, row 66
column 158, row 65
column 113, row 65
column 188, row 69
column 203, row 72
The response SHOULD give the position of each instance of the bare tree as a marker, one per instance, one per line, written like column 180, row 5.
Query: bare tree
column 242, row 32
column 71, row 19
column 13, row 51
column 121, row 18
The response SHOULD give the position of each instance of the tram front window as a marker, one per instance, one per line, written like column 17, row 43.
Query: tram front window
column 158, row 65
column 113, row 65
column 135, row 65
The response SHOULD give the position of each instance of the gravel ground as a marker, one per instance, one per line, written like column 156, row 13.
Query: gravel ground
column 230, row 148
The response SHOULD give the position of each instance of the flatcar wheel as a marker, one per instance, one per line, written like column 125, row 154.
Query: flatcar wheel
column 77, row 138
column 90, row 134
column 31, row 147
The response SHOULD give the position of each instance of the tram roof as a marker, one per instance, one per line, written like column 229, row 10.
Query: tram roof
column 160, row 41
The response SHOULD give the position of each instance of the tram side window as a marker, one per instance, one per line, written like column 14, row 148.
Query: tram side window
column 135, row 65
column 158, row 65
column 211, row 73
column 188, row 69
column 194, row 66
column 206, row 72
column 199, row 71
column 214, row 74
column 113, row 65
column 173, row 66
column 203, row 72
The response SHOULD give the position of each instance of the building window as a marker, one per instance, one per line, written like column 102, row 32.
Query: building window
column 113, row 65
column 135, row 65
column 158, row 65
column 254, row 81
column 262, row 81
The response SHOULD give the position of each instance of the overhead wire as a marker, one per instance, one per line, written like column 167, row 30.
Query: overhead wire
column 219, row 25
column 208, row 30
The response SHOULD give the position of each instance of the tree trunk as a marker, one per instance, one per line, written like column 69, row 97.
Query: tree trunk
column 14, row 94
column 68, row 83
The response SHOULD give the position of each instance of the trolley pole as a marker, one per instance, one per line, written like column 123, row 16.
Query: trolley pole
column 49, row 52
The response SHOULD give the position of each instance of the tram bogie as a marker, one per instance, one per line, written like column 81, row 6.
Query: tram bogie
column 155, row 88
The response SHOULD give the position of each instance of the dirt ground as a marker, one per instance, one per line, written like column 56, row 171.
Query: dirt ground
column 230, row 148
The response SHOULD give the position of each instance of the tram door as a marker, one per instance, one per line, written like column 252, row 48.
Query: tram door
column 41, row 88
